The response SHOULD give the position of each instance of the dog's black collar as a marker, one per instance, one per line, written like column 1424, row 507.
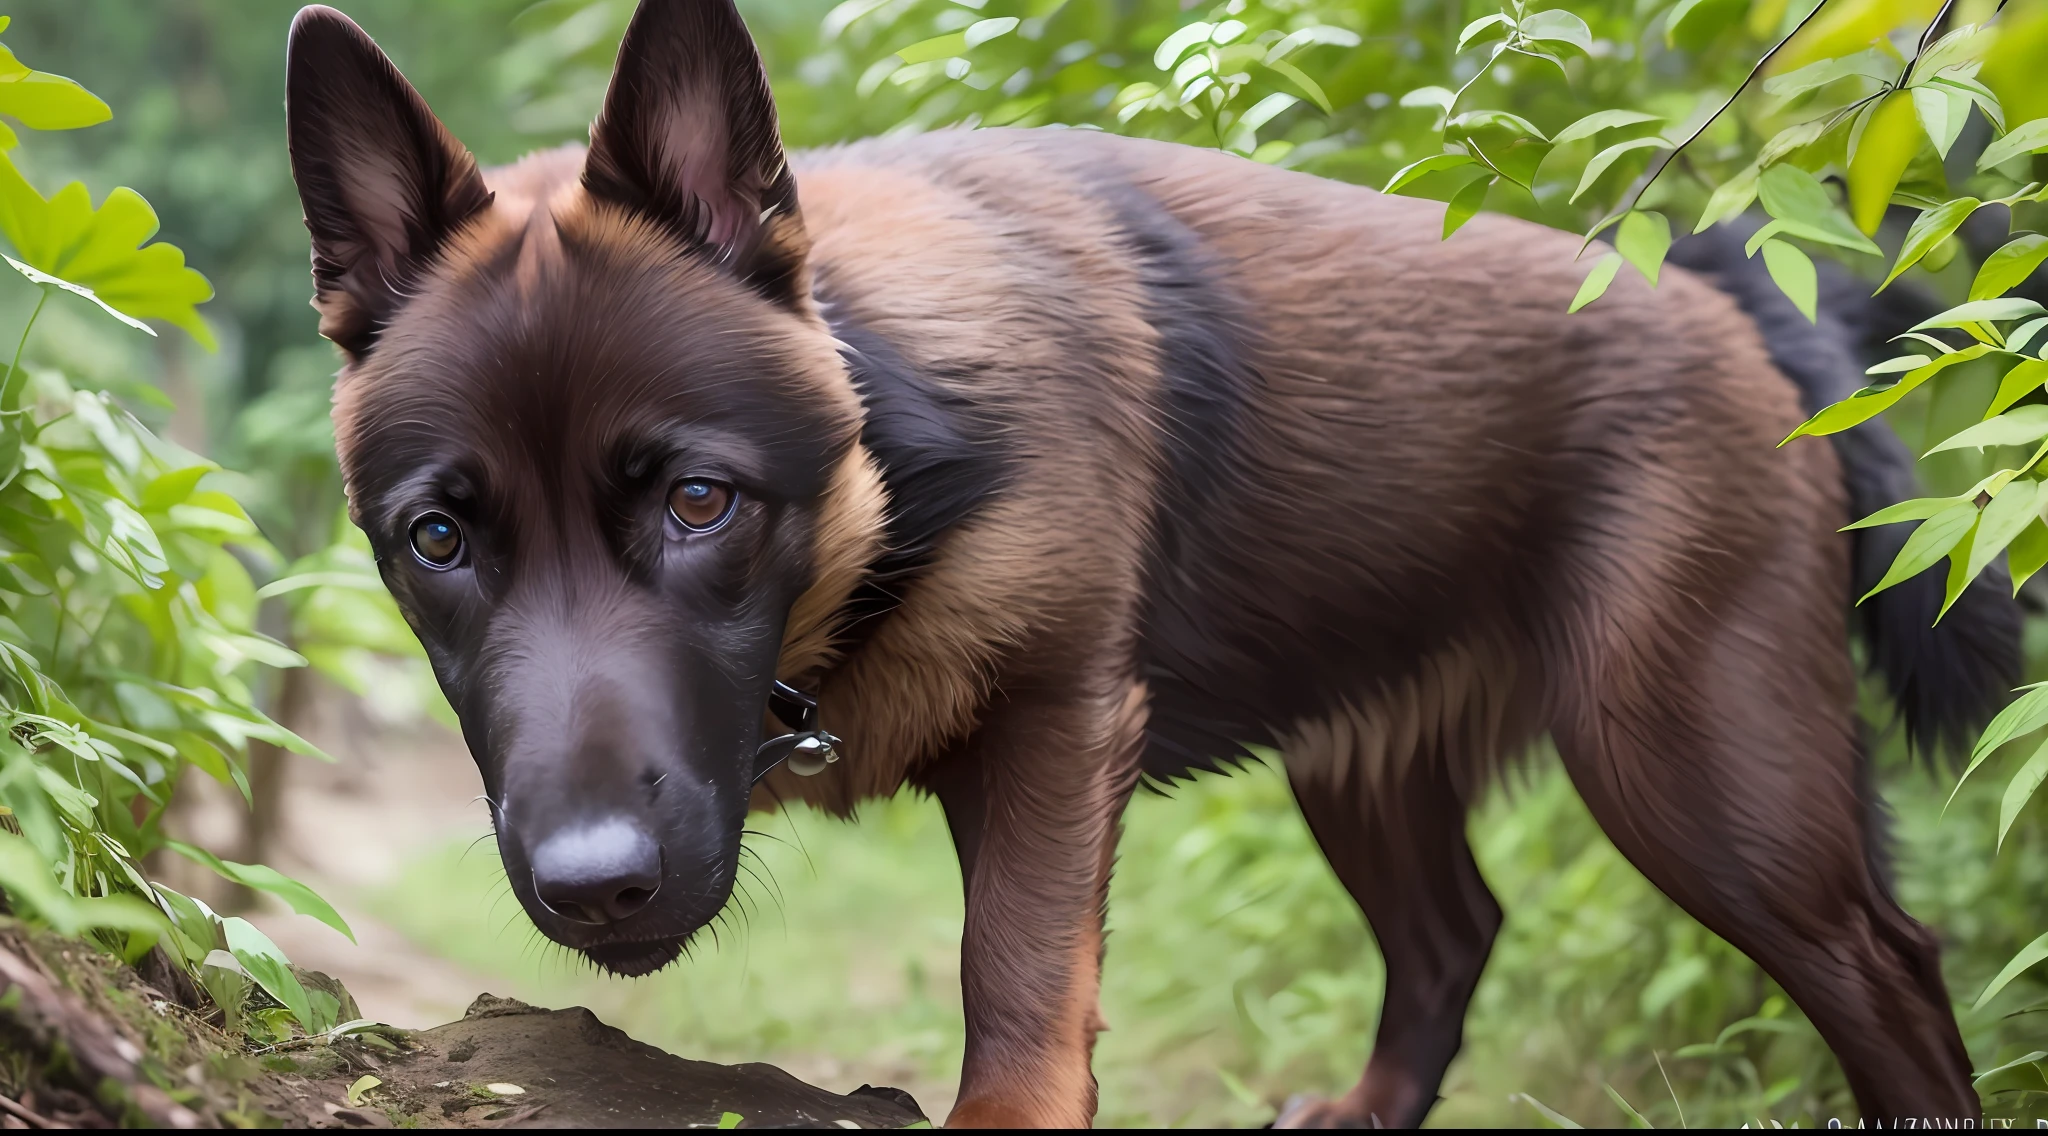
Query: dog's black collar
column 807, row 748
column 931, row 448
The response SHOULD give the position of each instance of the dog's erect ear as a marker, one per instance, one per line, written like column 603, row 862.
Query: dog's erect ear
column 383, row 183
column 687, row 138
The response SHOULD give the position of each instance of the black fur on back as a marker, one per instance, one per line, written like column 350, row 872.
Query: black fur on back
column 1946, row 679
column 1207, row 384
column 940, row 460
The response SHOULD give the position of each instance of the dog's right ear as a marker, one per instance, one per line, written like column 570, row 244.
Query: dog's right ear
column 382, row 182
column 688, row 139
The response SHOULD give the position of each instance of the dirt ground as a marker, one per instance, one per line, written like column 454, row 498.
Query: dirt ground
column 349, row 829
column 91, row 1043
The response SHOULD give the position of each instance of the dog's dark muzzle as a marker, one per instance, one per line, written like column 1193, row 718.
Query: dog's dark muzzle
column 623, row 858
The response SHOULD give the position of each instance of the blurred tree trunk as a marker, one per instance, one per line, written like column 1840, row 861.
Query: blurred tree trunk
column 267, row 765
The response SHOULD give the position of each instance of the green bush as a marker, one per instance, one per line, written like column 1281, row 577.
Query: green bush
column 129, row 639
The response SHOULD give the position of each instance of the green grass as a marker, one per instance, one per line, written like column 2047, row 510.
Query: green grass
column 1238, row 972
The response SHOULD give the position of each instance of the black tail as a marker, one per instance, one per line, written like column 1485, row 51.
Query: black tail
column 1946, row 679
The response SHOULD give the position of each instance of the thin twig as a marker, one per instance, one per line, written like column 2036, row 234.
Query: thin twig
column 14, row 368
column 28, row 1116
column 1460, row 93
column 1927, row 37
column 1656, row 170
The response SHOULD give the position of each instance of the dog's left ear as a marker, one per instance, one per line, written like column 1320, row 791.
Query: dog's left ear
column 688, row 139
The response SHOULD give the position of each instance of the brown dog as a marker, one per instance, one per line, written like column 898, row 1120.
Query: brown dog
column 1051, row 460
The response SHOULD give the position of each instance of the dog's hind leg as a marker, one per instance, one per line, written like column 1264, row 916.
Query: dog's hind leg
column 1714, row 738
column 1396, row 838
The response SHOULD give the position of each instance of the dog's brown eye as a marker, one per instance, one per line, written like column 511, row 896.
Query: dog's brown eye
column 700, row 505
column 437, row 540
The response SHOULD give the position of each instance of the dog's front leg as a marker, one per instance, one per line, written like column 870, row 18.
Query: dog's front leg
column 1033, row 801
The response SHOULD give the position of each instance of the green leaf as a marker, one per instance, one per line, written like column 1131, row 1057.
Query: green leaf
column 2027, row 554
column 1942, row 114
column 1886, row 139
column 1794, row 196
column 2013, row 428
column 2021, row 789
column 982, row 31
column 1932, row 227
column 2030, row 954
column 937, row 47
column 38, row 277
column 1756, row 1024
column 1306, row 85
column 729, row 1119
column 360, row 1086
column 1176, row 45
column 1960, row 48
column 1601, row 120
column 1519, row 160
column 2011, row 511
column 302, row 899
column 1596, row 281
column 1432, row 164
column 41, row 101
column 1896, row 364
column 1263, row 111
column 1676, row 17
column 2024, row 334
column 1438, row 97
column 1917, row 509
column 2025, row 138
column 1609, row 156
column 2019, row 382
column 101, row 253
column 1973, row 92
column 1548, row 1113
column 355, row 581
column 2015, row 1063
column 1794, row 272
column 227, row 983
column 1871, row 64
column 1983, row 311
column 1729, row 198
column 1777, row 227
column 1643, row 239
column 1791, row 139
column 1484, row 24
column 25, row 876
column 172, row 488
column 1928, row 544
column 2010, row 266
column 1873, row 400
column 1636, row 1119
column 2024, row 715
column 268, row 966
column 1556, row 25
column 1465, row 204
column 1958, row 577
column 1475, row 121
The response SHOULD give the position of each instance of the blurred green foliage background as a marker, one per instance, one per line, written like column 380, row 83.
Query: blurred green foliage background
column 1238, row 971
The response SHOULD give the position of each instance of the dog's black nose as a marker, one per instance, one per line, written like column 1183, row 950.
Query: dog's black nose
column 597, row 873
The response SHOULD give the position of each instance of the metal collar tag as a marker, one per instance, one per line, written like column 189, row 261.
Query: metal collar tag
column 807, row 748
